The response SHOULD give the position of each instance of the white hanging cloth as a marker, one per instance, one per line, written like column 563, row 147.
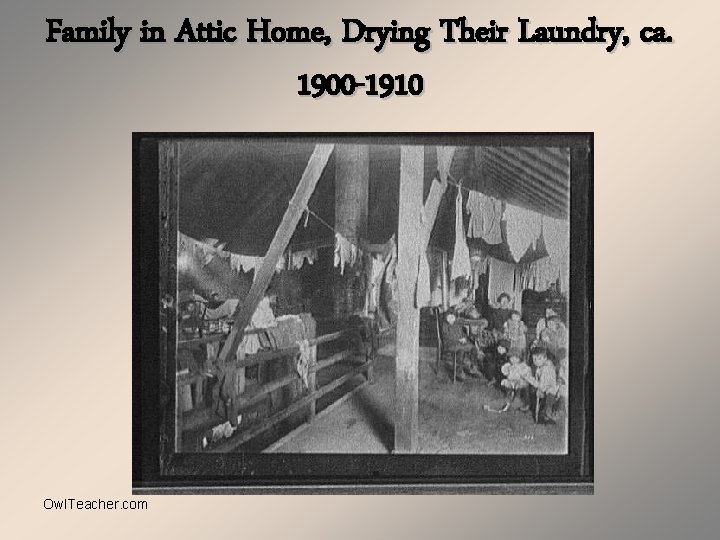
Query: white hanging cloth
column 345, row 252
column 556, row 233
column 461, row 254
column 299, row 258
column 485, row 215
column 523, row 229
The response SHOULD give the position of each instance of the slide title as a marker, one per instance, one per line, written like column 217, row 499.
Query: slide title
column 355, row 31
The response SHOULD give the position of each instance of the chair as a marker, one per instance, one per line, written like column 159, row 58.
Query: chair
column 441, row 346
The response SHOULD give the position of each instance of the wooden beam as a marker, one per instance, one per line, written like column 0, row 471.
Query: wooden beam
column 408, row 326
column 293, row 213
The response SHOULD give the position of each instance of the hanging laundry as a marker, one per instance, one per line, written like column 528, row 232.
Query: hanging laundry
column 517, row 289
column 250, row 263
column 304, row 360
column 444, row 159
column 479, row 265
column 376, row 269
column 501, row 279
column 485, row 216
column 436, row 295
column 540, row 274
column 345, row 252
column 391, row 261
column 422, row 287
column 299, row 258
column 461, row 254
column 523, row 229
column 556, row 233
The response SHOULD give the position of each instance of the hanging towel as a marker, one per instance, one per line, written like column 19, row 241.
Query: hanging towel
column 523, row 229
column 485, row 215
column 461, row 254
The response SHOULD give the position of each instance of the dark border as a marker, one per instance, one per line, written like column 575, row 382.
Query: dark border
column 157, row 470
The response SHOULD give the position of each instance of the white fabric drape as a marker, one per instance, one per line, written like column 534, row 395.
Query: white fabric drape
column 461, row 254
column 485, row 215
column 523, row 229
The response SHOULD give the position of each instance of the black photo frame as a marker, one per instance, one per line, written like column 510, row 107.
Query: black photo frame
column 157, row 469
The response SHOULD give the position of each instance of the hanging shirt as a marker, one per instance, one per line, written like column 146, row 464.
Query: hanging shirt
column 485, row 215
column 461, row 254
column 523, row 229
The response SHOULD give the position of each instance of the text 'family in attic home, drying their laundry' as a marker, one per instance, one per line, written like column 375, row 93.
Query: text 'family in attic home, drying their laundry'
column 263, row 30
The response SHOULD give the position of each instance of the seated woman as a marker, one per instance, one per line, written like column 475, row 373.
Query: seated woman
column 456, row 341
column 500, row 315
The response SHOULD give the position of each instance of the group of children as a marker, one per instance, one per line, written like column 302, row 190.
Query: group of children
column 534, row 380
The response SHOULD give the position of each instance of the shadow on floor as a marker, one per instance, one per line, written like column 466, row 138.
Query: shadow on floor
column 376, row 417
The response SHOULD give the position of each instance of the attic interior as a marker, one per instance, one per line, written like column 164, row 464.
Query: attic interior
column 371, row 298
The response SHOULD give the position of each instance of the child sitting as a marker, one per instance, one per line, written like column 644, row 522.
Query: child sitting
column 493, row 361
column 515, row 331
column 514, row 382
column 545, row 384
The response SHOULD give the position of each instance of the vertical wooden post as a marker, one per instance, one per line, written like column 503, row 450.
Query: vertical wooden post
column 352, row 178
column 312, row 387
column 444, row 277
column 408, row 326
column 169, row 171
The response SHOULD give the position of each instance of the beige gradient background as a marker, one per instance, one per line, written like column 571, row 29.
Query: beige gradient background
column 68, row 112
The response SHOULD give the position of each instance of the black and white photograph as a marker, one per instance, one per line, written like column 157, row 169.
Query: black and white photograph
column 373, row 295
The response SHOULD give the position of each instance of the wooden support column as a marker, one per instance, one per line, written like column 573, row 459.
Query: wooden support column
column 352, row 178
column 293, row 213
column 169, row 177
column 444, row 277
column 408, row 326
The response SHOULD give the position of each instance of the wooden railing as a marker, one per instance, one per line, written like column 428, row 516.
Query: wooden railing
column 204, row 419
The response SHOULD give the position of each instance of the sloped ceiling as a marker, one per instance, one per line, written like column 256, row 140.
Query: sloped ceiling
column 237, row 190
